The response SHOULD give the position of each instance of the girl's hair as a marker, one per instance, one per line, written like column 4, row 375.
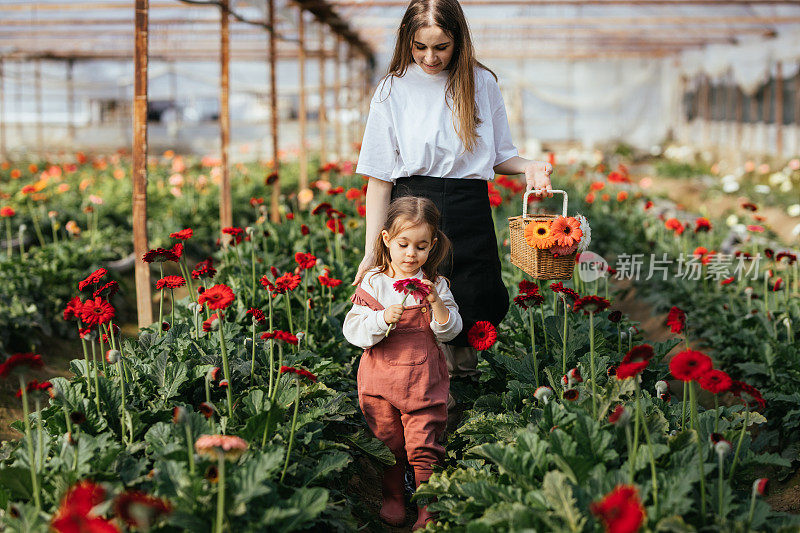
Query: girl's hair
column 460, row 90
column 410, row 211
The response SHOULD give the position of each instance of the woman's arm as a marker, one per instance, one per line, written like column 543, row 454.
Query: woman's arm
column 537, row 173
column 379, row 192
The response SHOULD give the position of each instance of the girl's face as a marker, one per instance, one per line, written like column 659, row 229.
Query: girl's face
column 409, row 249
column 432, row 49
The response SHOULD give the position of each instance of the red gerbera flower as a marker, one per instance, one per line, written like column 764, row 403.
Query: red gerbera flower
column 675, row 225
column 159, row 255
column 305, row 261
column 749, row 206
column 182, row 234
column 304, row 229
column 107, row 291
column 204, row 269
column 689, row 365
column 257, row 314
column 413, row 287
column 676, row 320
column 635, row 361
column 234, row 231
column 170, row 282
column 324, row 207
column 298, row 372
column 482, row 335
column 217, row 297
column 526, row 300
column 571, row 394
column 715, row 381
column 73, row 309
column 619, row 416
column 6, row 212
column 702, row 224
column 287, row 282
column 279, row 335
column 526, row 286
column 740, row 389
column 208, row 323
column 335, row 225
column 74, row 514
column 177, row 250
column 92, row 278
column 591, row 304
column 327, row 281
column 140, row 510
column 620, row 510
column 96, row 311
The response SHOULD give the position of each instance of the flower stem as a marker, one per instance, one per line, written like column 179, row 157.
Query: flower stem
column 544, row 330
column 39, row 234
column 294, row 426
column 221, row 492
column 86, row 359
column 683, row 408
column 29, row 438
column 253, row 357
column 753, row 496
column 739, row 443
column 286, row 297
column 102, row 350
column 591, row 362
column 305, row 304
column 564, row 342
column 96, row 384
column 719, row 483
column 716, row 412
column 160, row 313
column 253, row 267
column 649, row 447
column 701, row 455
column 225, row 365
column 533, row 347
column 273, row 395
column 8, row 237
column 172, row 308
column 189, row 442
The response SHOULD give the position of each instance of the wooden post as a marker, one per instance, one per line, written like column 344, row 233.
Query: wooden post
column 144, row 302
column 337, row 108
column 18, row 90
column 2, row 112
column 767, row 113
column 70, row 101
column 275, row 215
column 739, row 112
column 323, row 119
column 754, row 120
column 39, row 115
column 301, row 64
column 779, row 108
column 797, row 112
column 705, row 102
column 225, row 204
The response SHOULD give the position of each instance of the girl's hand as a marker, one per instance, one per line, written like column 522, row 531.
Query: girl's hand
column 362, row 269
column 537, row 176
column 433, row 295
column 393, row 313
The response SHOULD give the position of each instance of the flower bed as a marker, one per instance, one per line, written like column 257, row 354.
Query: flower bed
column 237, row 407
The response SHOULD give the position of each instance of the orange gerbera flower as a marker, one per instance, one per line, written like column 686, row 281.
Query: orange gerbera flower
column 538, row 234
column 566, row 231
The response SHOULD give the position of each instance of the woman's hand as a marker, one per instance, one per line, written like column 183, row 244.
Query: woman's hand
column 365, row 265
column 537, row 176
column 393, row 313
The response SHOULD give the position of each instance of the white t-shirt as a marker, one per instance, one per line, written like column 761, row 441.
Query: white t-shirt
column 410, row 129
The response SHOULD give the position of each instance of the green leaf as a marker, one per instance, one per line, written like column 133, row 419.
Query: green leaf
column 371, row 446
column 558, row 495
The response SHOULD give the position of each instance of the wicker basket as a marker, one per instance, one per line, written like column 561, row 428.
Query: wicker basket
column 539, row 264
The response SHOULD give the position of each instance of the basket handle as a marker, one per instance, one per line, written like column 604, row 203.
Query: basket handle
column 527, row 194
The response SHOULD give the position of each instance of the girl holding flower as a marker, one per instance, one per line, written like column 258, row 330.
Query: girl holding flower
column 403, row 382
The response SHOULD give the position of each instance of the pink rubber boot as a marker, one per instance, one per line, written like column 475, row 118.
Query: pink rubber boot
column 393, row 510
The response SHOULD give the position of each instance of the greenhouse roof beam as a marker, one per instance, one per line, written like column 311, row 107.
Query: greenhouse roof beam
column 494, row 3
column 477, row 23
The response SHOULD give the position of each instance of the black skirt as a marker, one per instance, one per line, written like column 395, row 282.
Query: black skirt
column 466, row 219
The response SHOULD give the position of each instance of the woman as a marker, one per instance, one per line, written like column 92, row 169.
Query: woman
column 438, row 128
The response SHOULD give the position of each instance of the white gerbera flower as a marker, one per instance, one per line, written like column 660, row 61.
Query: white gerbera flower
column 583, row 245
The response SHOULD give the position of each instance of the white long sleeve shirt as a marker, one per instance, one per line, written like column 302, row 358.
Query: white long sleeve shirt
column 364, row 327
column 410, row 129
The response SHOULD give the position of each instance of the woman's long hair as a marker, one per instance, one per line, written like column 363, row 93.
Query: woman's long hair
column 410, row 211
column 460, row 90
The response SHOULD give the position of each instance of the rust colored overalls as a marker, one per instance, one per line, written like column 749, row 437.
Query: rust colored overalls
column 402, row 388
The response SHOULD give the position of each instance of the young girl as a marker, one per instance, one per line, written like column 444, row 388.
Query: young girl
column 437, row 128
column 402, row 378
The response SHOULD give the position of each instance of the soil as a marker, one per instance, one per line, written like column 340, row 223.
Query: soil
column 366, row 486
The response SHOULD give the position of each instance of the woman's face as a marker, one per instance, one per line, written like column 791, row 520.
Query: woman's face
column 432, row 49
